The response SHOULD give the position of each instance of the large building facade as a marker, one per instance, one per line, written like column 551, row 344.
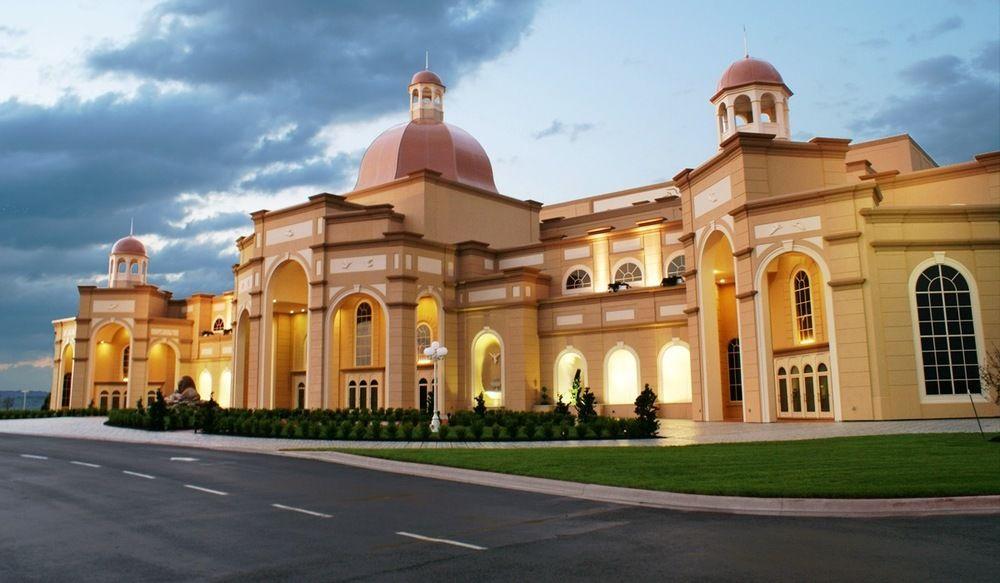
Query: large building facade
column 777, row 280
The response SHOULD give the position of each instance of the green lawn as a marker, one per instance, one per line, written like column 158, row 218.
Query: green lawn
column 887, row 466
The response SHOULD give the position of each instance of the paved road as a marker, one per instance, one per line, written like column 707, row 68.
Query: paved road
column 84, row 510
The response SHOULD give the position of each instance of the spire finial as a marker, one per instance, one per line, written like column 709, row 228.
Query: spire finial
column 131, row 227
column 746, row 43
column 427, row 60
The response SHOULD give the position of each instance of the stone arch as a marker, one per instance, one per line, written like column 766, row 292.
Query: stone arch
column 485, row 374
column 105, row 363
column 285, row 320
column 718, row 320
column 622, row 375
column 564, row 369
column 334, row 391
column 673, row 375
column 239, row 394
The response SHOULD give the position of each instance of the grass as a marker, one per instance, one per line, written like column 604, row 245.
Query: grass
column 886, row 466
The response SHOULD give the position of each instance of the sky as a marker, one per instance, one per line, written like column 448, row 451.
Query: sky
column 187, row 115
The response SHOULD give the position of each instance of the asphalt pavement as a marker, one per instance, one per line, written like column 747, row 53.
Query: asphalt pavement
column 74, row 510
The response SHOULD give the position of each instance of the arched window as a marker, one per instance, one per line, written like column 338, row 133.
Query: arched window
column 783, row 390
column 363, row 336
column 414, row 98
column 947, row 332
column 810, row 388
column 628, row 272
column 103, row 402
column 150, row 397
column 802, row 293
column 135, row 268
column 723, row 118
column 218, row 325
column 796, row 389
column 735, row 367
column 578, row 279
column 743, row 110
column 423, row 339
column 300, row 396
column 352, row 395
column 824, row 387
column 622, row 376
column 767, row 109
column 675, row 268
column 363, row 394
column 422, row 395
column 373, row 401
column 121, row 266
column 126, row 361
column 67, row 386
column 116, row 400
column 675, row 374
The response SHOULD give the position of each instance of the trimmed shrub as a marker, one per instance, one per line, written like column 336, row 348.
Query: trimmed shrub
column 647, row 425
column 477, row 428
column 461, row 433
column 443, row 432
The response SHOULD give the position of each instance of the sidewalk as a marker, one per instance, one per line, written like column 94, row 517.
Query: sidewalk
column 674, row 432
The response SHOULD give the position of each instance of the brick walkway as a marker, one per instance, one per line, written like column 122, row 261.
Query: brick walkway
column 676, row 432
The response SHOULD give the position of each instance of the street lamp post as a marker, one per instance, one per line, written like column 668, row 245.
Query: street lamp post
column 24, row 401
column 436, row 353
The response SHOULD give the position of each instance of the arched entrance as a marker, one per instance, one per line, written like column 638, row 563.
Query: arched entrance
column 112, row 362
column 488, row 361
column 356, row 358
column 162, row 369
column 241, row 394
column 205, row 388
column 621, row 376
column 570, row 370
column 225, row 391
column 796, row 337
column 722, row 379
column 428, row 330
column 66, row 377
column 287, row 334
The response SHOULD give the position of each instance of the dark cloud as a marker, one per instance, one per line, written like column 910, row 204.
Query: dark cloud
column 878, row 42
column 258, row 80
column 935, row 30
column 988, row 60
column 952, row 111
column 558, row 128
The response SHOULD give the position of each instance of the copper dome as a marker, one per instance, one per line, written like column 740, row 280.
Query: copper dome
column 747, row 71
column 426, row 76
column 129, row 246
column 426, row 144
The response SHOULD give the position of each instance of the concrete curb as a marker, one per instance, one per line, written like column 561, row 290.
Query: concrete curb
column 802, row 507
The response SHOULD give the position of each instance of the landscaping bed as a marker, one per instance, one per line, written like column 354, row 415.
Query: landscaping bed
column 885, row 466
column 42, row 413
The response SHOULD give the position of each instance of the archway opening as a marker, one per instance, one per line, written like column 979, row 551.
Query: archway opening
column 162, row 369
column 356, row 357
column 287, row 299
column 621, row 386
column 205, row 389
column 488, row 368
column 225, row 391
column 571, row 372
column 797, row 332
column 723, row 355
column 112, row 361
column 428, row 330
column 675, row 380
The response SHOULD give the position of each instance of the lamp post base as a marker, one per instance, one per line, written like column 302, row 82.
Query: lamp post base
column 436, row 422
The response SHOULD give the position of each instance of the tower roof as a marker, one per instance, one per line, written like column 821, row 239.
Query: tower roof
column 749, row 71
column 129, row 246
column 426, row 76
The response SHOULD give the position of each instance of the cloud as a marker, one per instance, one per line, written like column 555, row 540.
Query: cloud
column 878, row 42
column 41, row 362
column 236, row 107
column 951, row 111
column 558, row 128
column 988, row 60
column 935, row 30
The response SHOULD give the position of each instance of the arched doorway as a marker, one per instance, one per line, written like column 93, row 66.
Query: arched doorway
column 162, row 369
column 225, row 388
column 356, row 358
column 66, row 377
column 570, row 370
column 287, row 333
column 241, row 396
column 205, row 389
column 796, row 344
column 621, row 376
column 488, row 374
column 675, row 374
column 428, row 330
column 722, row 382
column 112, row 362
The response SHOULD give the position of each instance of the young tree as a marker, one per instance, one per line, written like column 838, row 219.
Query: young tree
column 480, row 408
column 645, row 412
column 585, row 410
column 989, row 374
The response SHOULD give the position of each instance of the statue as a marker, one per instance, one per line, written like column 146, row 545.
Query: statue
column 185, row 393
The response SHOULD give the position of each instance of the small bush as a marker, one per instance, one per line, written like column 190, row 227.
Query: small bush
column 480, row 408
column 477, row 428
column 645, row 411
column 461, row 433
column 443, row 432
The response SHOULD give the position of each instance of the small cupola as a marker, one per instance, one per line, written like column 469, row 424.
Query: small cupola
column 128, row 265
column 426, row 97
column 752, row 97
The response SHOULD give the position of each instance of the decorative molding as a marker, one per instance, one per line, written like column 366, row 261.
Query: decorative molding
column 672, row 310
column 713, row 197
column 358, row 264
column 618, row 315
column 626, row 245
column 429, row 265
column 847, row 236
column 784, row 228
column 576, row 253
column 522, row 261
column 569, row 320
column 746, row 294
column 484, row 295
column 113, row 306
column 288, row 233
column 846, row 282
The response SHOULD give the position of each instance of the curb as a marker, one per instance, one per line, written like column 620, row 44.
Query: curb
column 798, row 507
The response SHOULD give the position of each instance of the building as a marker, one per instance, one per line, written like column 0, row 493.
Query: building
column 779, row 279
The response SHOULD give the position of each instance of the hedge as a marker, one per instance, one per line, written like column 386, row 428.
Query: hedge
column 38, row 414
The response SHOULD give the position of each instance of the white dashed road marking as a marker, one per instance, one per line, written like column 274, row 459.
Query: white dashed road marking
column 138, row 475
column 302, row 510
column 34, row 457
column 183, row 459
column 443, row 541
column 200, row 489
column 85, row 464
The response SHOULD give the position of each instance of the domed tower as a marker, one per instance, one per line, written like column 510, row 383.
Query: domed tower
column 752, row 97
column 128, row 264
column 426, row 143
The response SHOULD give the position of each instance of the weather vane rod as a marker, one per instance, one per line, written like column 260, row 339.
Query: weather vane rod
column 746, row 43
column 427, row 60
column 131, row 226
